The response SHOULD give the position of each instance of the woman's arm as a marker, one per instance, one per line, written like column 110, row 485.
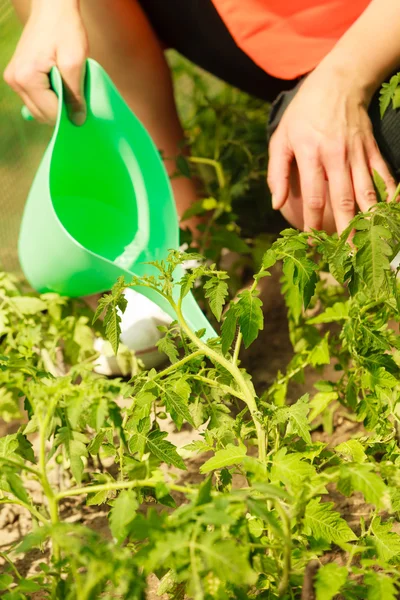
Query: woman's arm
column 326, row 128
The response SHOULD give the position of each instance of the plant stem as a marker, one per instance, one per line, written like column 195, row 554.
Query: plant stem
column 4, row 556
column 237, row 375
column 287, row 549
column 122, row 485
column 226, row 388
column 213, row 163
column 34, row 512
column 238, row 343
column 178, row 364
column 51, row 498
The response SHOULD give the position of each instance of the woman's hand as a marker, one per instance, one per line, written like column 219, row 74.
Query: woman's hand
column 326, row 131
column 53, row 35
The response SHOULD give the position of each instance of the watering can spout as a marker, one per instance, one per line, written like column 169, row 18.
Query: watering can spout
column 101, row 204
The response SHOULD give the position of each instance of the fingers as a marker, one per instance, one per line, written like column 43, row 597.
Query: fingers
column 342, row 195
column 364, row 190
column 280, row 160
column 33, row 87
column 73, row 75
column 313, row 189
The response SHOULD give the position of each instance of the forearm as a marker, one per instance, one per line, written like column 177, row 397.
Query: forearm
column 370, row 50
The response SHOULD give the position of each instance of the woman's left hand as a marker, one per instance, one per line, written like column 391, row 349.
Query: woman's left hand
column 327, row 133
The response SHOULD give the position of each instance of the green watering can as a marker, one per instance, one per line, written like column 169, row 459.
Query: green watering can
column 101, row 204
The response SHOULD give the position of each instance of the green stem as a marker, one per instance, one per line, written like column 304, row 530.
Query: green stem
column 237, row 375
column 226, row 388
column 212, row 163
column 287, row 549
column 34, row 512
column 178, row 364
column 4, row 556
column 122, row 485
column 51, row 498
column 238, row 343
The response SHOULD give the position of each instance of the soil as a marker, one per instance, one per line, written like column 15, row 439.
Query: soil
column 271, row 352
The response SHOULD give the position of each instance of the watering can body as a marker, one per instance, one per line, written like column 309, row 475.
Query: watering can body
column 101, row 204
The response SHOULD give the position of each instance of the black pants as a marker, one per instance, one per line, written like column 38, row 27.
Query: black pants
column 195, row 29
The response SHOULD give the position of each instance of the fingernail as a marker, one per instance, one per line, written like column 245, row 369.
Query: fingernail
column 274, row 202
column 78, row 118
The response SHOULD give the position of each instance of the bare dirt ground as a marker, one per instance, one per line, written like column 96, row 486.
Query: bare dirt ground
column 270, row 353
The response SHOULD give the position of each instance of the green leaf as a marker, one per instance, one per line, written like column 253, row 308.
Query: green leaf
column 250, row 316
column 380, row 186
column 361, row 478
column 166, row 345
column 291, row 469
column 28, row 305
column 296, row 415
column 319, row 355
column 216, row 290
column 385, row 541
column 164, row 450
column 75, row 444
column 372, row 258
column 183, row 166
column 5, row 581
column 380, row 586
column 352, row 450
column 122, row 513
column 323, row 523
column 387, row 92
column 231, row 455
column 329, row 580
column 229, row 328
column 320, row 403
column 338, row 312
column 176, row 396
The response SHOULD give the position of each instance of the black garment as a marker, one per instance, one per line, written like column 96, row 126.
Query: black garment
column 195, row 29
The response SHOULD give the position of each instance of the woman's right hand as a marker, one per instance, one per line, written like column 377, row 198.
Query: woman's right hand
column 53, row 36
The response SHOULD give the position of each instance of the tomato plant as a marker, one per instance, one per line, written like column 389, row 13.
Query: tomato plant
column 260, row 513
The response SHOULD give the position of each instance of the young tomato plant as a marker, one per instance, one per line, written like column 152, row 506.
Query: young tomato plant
column 259, row 510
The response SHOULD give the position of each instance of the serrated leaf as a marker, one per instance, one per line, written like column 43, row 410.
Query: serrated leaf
column 166, row 345
column 164, row 450
column 176, row 395
column 216, row 291
column 122, row 513
column 323, row 523
column 380, row 586
column 296, row 415
column 291, row 469
column 28, row 305
column 229, row 456
column 338, row 312
column 229, row 328
column 351, row 450
column 380, row 186
column 372, row 258
column 387, row 92
column 320, row 403
column 385, row 541
column 250, row 316
column 319, row 355
column 329, row 580
column 361, row 478
column 75, row 444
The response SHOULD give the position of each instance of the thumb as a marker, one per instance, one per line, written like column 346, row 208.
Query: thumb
column 73, row 76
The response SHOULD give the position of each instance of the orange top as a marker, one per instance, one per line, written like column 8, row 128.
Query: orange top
column 288, row 38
